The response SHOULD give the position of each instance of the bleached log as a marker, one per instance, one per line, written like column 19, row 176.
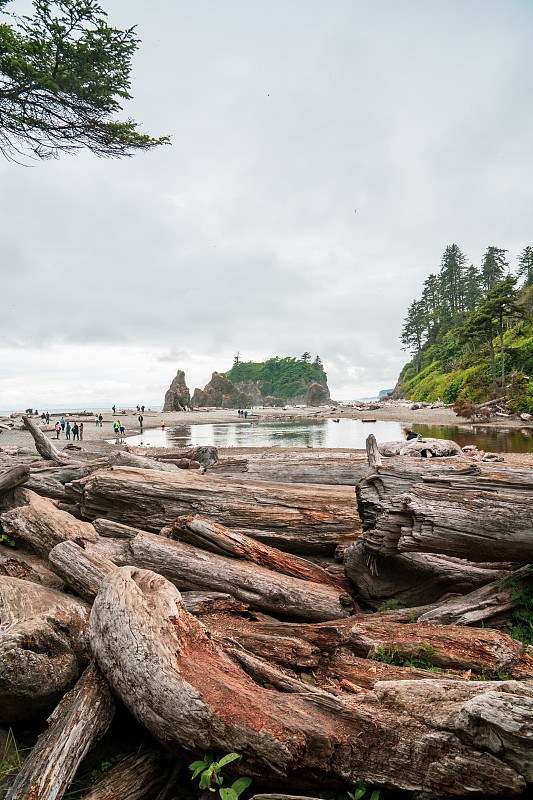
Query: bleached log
column 79, row 721
column 160, row 662
column 339, row 468
column 41, row 525
column 190, row 568
column 219, row 539
column 81, row 570
column 13, row 477
column 302, row 518
column 44, row 446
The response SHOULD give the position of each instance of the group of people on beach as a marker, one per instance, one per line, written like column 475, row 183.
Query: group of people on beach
column 242, row 413
column 67, row 429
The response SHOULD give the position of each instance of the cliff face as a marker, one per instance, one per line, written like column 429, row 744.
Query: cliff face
column 220, row 392
column 177, row 397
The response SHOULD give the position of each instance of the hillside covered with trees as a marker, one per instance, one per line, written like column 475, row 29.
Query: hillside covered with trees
column 283, row 378
column 471, row 333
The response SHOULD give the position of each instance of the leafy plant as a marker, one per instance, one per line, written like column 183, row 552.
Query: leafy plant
column 4, row 539
column 10, row 761
column 210, row 771
column 522, row 596
column 389, row 605
column 360, row 790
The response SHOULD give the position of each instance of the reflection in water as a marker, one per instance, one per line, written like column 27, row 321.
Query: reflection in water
column 347, row 433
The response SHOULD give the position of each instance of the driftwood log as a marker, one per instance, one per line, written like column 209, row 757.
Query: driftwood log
column 411, row 579
column 148, row 772
column 79, row 721
column 421, row 448
column 301, row 518
column 483, row 514
column 44, row 634
column 28, row 567
column 13, row 477
column 342, row 468
column 217, row 539
column 160, row 662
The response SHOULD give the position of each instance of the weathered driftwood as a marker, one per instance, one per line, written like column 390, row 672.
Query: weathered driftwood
column 499, row 718
column 421, row 448
column 205, row 455
column 44, row 634
column 342, row 468
column 28, row 567
column 50, row 481
column 161, row 663
column 44, row 446
column 303, row 518
column 14, row 477
column 199, row 603
column 411, row 579
column 81, row 570
column 190, row 568
column 79, row 721
column 445, row 646
column 482, row 515
column 40, row 524
column 218, row 539
column 144, row 773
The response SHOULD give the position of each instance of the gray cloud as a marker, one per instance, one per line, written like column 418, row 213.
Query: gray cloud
column 323, row 157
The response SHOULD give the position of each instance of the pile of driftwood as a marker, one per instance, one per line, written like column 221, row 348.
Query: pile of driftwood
column 222, row 613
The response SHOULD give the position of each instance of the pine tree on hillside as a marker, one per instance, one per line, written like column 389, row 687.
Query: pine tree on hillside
column 525, row 266
column 494, row 267
column 473, row 291
column 452, row 278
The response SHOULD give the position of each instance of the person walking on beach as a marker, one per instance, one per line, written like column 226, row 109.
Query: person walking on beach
column 142, row 409
column 141, row 419
column 67, row 431
column 81, row 430
column 114, row 409
column 47, row 418
column 58, row 430
column 62, row 423
column 75, row 431
column 122, row 430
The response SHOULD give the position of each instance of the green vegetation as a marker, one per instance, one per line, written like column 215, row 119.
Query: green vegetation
column 210, row 772
column 280, row 377
column 471, row 333
column 10, row 760
column 64, row 74
column 522, row 596
column 4, row 539
column 359, row 793
column 421, row 659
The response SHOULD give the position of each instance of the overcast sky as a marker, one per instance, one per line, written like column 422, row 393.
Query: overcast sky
column 323, row 156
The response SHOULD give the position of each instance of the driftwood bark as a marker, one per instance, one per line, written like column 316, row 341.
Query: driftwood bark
column 41, row 525
column 411, row 579
column 159, row 660
column 218, row 539
column 205, row 455
column 79, row 721
column 421, row 448
column 341, row 468
column 51, row 481
column 82, row 571
column 484, row 515
column 302, row 518
column 44, row 634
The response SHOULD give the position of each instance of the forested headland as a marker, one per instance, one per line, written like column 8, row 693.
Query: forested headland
column 471, row 332
column 280, row 377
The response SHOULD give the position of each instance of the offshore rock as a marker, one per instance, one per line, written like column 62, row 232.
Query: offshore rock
column 220, row 392
column 177, row 397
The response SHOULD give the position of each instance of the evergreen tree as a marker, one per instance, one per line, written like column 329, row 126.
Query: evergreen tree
column 481, row 325
column 473, row 291
column 414, row 328
column 493, row 267
column 306, row 357
column 63, row 78
column 452, row 274
column 525, row 266
column 501, row 303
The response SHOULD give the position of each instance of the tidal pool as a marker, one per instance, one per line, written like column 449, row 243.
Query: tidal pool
column 347, row 433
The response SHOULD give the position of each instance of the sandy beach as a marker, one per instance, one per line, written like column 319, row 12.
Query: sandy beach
column 93, row 433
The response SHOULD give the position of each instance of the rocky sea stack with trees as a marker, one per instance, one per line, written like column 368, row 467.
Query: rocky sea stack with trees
column 274, row 382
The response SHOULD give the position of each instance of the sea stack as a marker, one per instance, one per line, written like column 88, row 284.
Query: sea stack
column 178, row 397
